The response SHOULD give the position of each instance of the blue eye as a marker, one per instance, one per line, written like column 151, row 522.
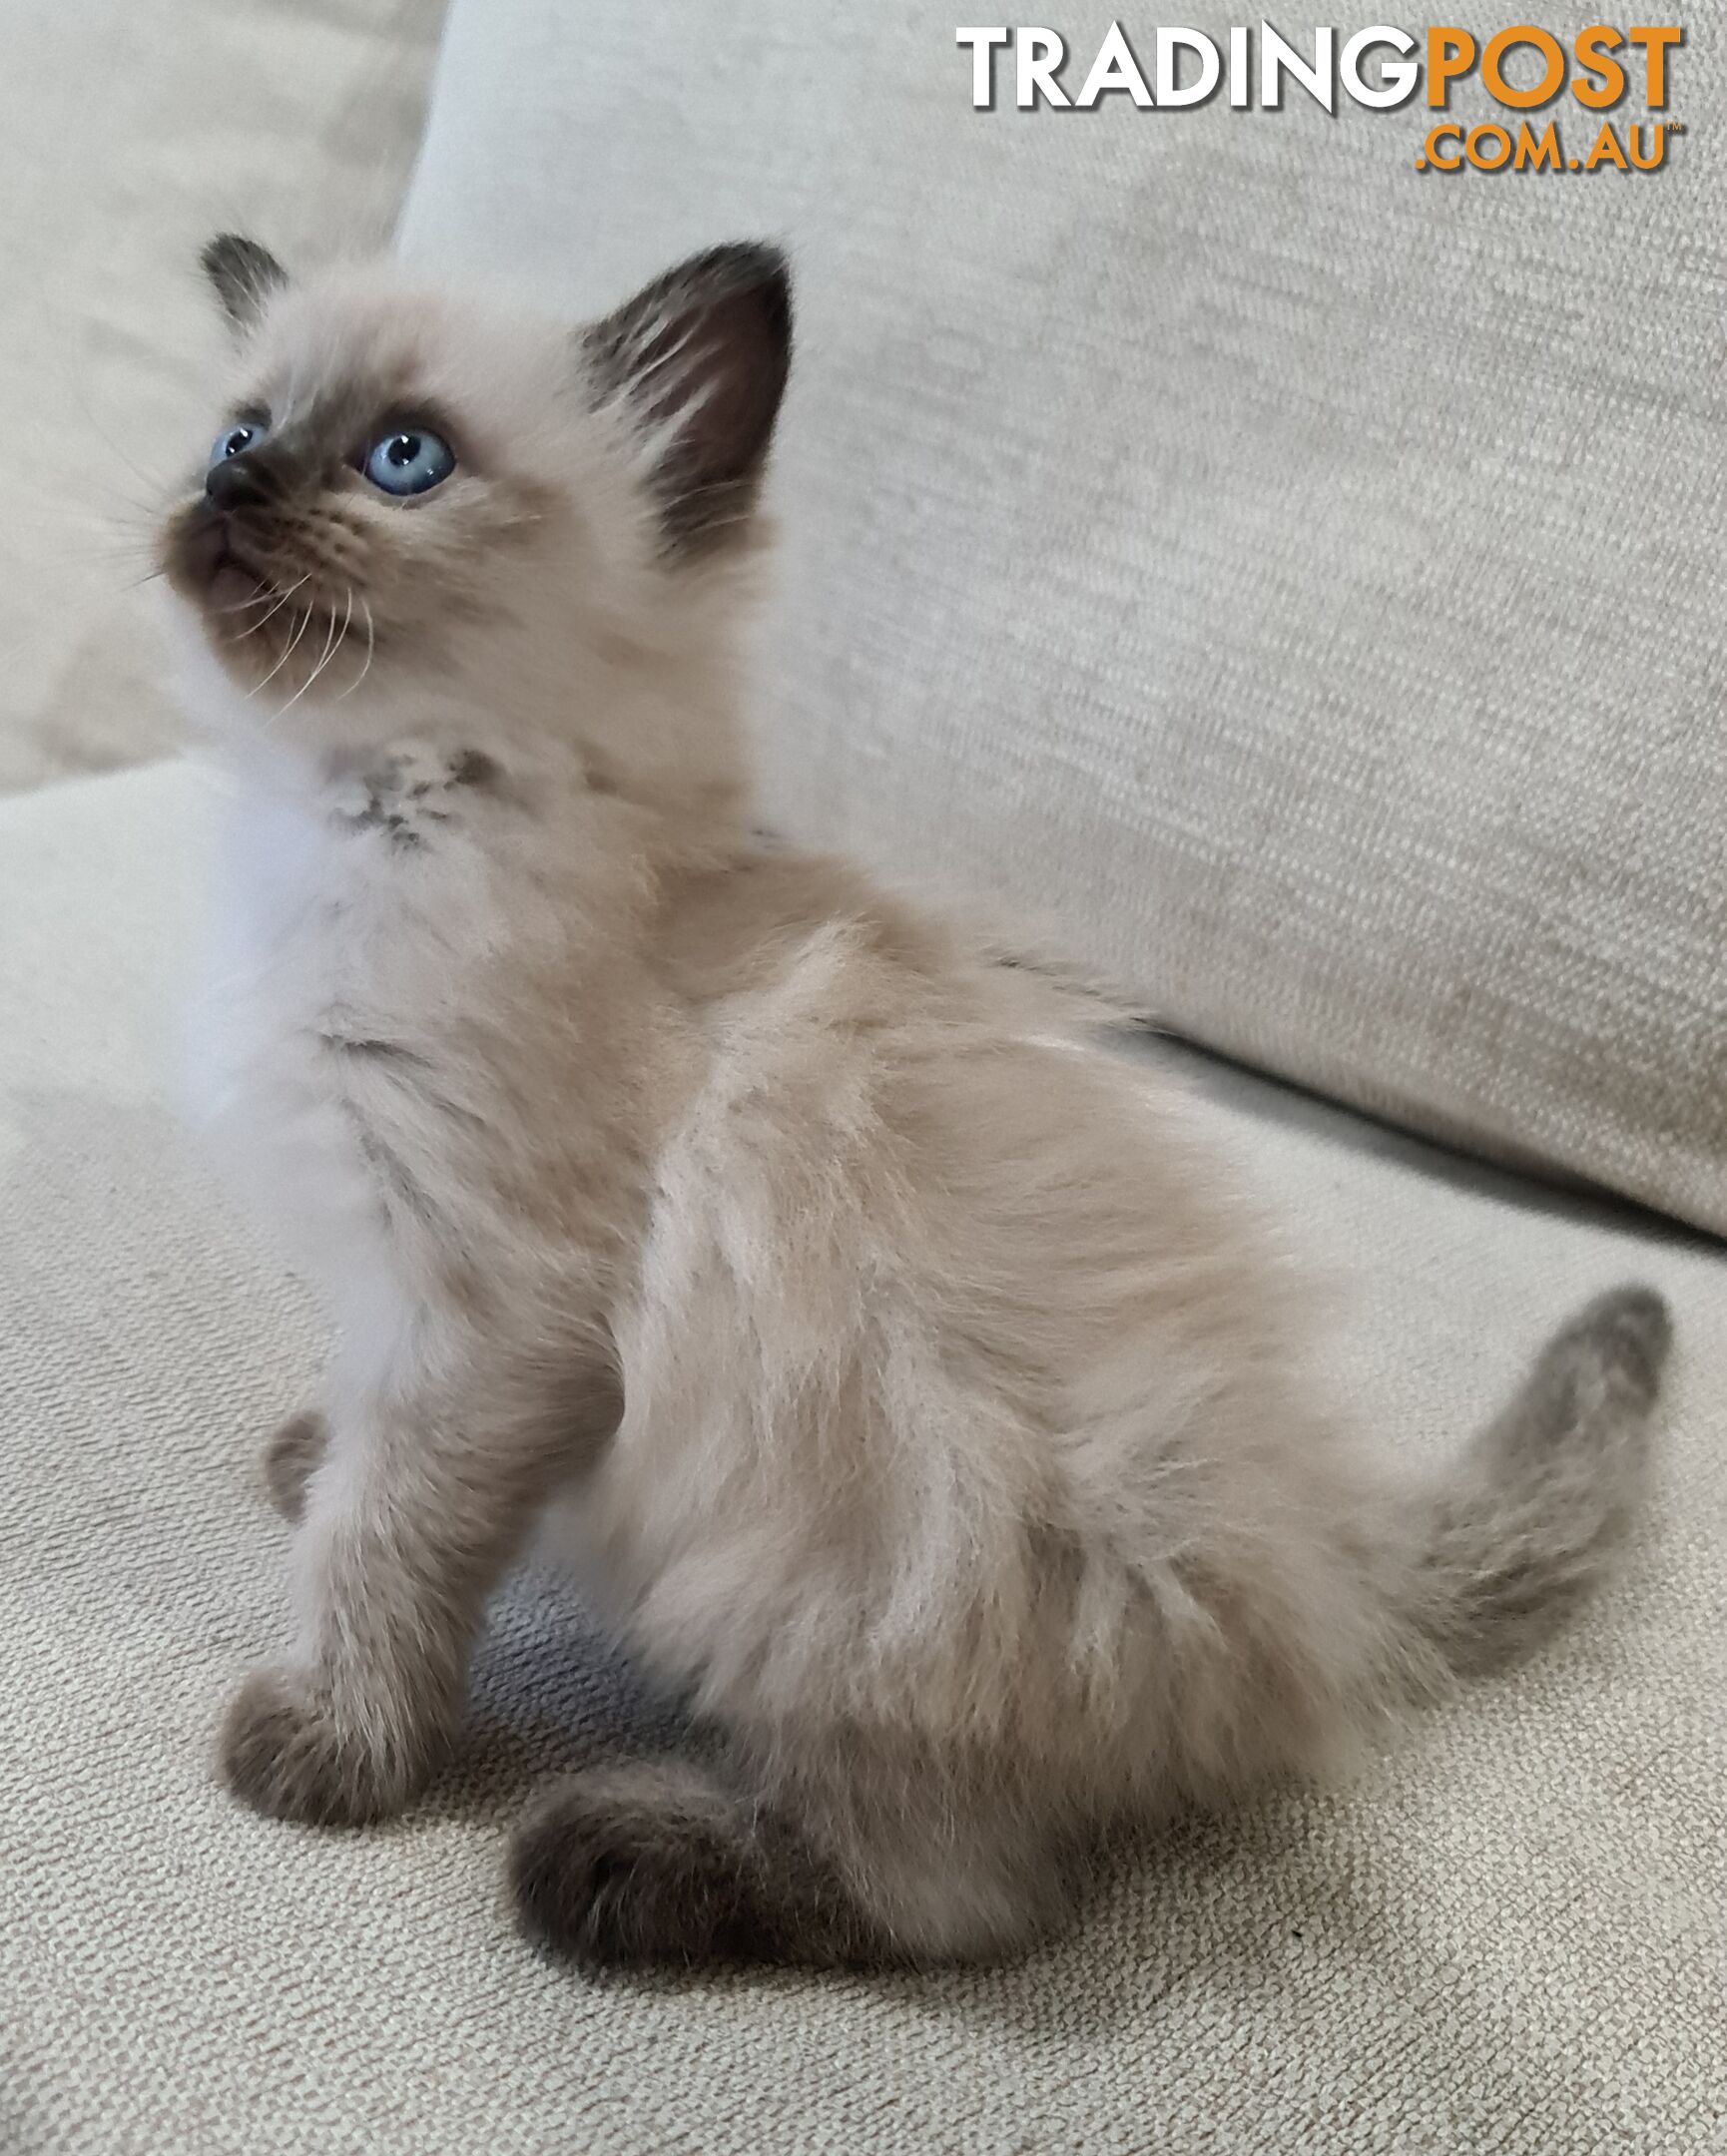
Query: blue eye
column 410, row 461
column 231, row 440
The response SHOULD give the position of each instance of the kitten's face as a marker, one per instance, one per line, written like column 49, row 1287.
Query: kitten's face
column 396, row 471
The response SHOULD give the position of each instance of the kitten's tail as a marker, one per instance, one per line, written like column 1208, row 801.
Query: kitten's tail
column 1528, row 1521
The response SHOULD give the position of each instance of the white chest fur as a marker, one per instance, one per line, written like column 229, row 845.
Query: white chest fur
column 329, row 926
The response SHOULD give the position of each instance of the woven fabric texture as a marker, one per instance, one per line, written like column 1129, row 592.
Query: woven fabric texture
column 1505, row 1936
column 1295, row 576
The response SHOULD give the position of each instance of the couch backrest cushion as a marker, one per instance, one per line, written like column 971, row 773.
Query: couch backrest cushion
column 1297, row 575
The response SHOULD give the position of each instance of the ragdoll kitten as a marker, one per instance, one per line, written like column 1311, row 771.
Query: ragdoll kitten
column 922, row 1402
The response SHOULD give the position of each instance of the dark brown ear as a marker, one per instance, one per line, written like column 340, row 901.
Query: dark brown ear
column 244, row 274
column 702, row 355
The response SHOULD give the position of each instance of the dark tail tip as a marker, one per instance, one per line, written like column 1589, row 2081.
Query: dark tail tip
column 1538, row 1503
column 1629, row 1328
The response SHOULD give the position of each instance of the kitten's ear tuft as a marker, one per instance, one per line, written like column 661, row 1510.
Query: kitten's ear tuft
column 701, row 358
column 244, row 274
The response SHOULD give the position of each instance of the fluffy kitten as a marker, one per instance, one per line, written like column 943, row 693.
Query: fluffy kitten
column 924, row 1404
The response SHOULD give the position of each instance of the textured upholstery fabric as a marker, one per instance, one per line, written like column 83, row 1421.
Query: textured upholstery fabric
column 130, row 131
column 1296, row 575
column 1508, row 1937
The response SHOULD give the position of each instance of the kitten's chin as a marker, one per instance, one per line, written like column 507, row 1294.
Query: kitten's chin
column 255, row 628
column 211, row 576
column 234, row 587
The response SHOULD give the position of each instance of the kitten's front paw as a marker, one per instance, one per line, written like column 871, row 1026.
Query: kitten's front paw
column 285, row 1754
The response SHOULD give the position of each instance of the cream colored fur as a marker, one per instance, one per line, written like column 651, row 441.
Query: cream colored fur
column 913, row 1385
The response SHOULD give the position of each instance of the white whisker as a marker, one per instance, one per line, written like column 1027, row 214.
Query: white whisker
column 288, row 654
column 371, row 650
column 323, row 659
column 270, row 596
column 253, row 627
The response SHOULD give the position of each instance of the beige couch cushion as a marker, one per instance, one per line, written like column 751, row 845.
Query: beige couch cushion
column 1507, row 1936
column 1299, row 575
column 130, row 131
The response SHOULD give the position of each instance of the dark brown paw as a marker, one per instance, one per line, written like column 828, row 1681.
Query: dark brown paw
column 289, row 1457
column 641, row 1865
column 285, row 1754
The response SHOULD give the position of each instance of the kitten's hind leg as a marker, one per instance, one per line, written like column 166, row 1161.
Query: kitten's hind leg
column 852, row 1859
column 289, row 1457
column 661, row 1862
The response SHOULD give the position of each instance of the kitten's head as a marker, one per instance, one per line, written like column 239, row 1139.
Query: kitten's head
column 405, row 484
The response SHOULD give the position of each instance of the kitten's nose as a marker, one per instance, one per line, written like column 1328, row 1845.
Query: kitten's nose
column 235, row 482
